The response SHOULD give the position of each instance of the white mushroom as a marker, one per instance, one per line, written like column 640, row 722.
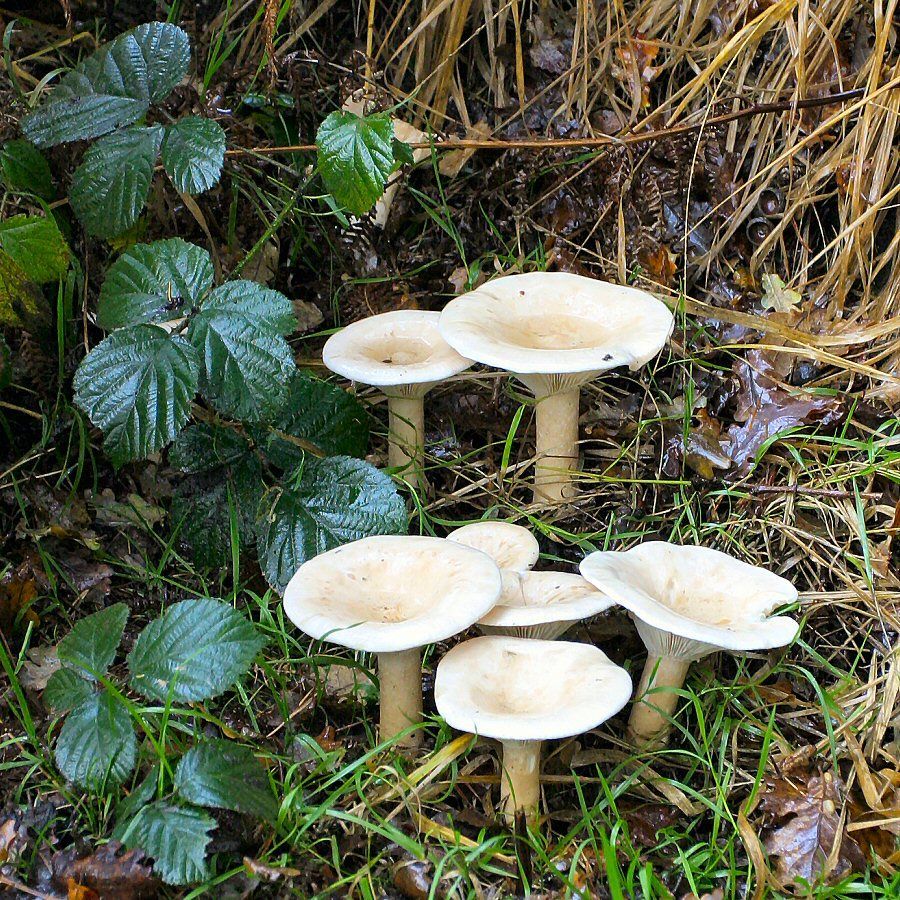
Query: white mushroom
column 513, row 547
column 403, row 353
column 556, row 332
column 688, row 602
column 543, row 605
column 391, row 595
column 522, row 692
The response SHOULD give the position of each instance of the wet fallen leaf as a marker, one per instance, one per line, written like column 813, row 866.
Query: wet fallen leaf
column 660, row 263
column 766, row 409
column 777, row 295
column 18, row 589
column 646, row 821
column 133, row 510
column 41, row 663
column 107, row 871
column 76, row 891
column 346, row 682
column 328, row 740
column 411, row 877
column 451, row 162
column 634, row 70
column 308, row 315
column 268, row 873
column 13, row 837
column 810, row 833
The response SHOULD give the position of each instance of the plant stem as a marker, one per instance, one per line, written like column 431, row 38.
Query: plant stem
column 650, row 716
column 406, row 430
column 520, row 784
column 557, row 445
column 400, row 678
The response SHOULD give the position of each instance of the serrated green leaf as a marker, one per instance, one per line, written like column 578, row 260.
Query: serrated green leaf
column 334, row 501
column 129, row 807
column 320, row 413
column 154, row 283
column 194, row 651
column 356, row 156
column 193, row 151
column 110, row 187
column 35, row 244
column 225, row 472
column 113, row 87
column 92, row 643
column 66, row 689
column 258, row 304
column 137, row 386
column 20, row 300
column 225, row 775
column 96, row 746
column 24, row 169
column 176, row 837
column 245, row 366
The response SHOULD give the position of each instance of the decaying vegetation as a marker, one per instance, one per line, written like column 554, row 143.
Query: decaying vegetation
column 738, row 158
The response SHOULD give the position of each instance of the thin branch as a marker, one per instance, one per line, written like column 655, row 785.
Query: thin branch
column 759, row 109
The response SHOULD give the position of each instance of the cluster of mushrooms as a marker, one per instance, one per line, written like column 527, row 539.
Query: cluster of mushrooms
column 393, row 595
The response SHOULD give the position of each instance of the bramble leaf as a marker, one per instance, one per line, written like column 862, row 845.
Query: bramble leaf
column 154, row 283
column 356, row 156
column 110, row 187
column 96, row 746
column 137, row 386
column 193, row 151
column 175, row 836
column 327, row 503
column 226, row 775
column 36, row 245
column 66, row 689
column 24, row 169
column 113, row 87
column 194, row 651
column 92, row 643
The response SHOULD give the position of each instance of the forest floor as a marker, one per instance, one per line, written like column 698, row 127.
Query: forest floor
column 767, row 428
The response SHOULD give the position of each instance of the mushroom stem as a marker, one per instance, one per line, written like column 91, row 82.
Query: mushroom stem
column 400, row 680
column 557, row 445
column 650, row 716
column 520, row 784
column 406, row 429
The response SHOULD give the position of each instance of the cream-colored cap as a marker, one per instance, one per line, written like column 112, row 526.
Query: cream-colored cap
column 392, row 592
column 402, row 349
column 706, row 599
column 516, row 689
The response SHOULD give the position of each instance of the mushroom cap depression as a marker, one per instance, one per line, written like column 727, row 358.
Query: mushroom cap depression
column 389, row 593
column 510, row 546
column 520, row 689
column 697, row 593
column 393, row 350
column 556, row 323
column 544, row 605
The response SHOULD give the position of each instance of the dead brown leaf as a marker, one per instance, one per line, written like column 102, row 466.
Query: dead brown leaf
column 41, row 663
column 766, row 408
column 809, row 840
column 635, row 70
column 108, row 871
column 647, row 820
column 18, row 589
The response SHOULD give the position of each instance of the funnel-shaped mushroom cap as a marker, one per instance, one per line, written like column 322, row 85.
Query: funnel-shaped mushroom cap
column 510, row 546
column 392, row 592
column 401, row 351
column 516, row 689
column 698, row 594
column 556, row 323
column 543, row 605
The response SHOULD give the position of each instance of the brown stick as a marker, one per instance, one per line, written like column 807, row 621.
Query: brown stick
column 807, row 491
column 759, row 109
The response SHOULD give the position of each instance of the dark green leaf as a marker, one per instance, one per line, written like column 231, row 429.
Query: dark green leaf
column 225, row 775
column 192, row 153
column 204, row 447
column 25, row 170
column 154, row 282
column 176, row 837
column 131, row 805
column 137, row 385
column 321, row 413
column 334, row 501
column 20, row 300
column 96, row 746
column 35, row 244
column 194, row 651
column 403, row 153
column 245, row 364
column 91, row 645
column 356, row 156
column 110, row 187
column 66, row 689
column 113, row 87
